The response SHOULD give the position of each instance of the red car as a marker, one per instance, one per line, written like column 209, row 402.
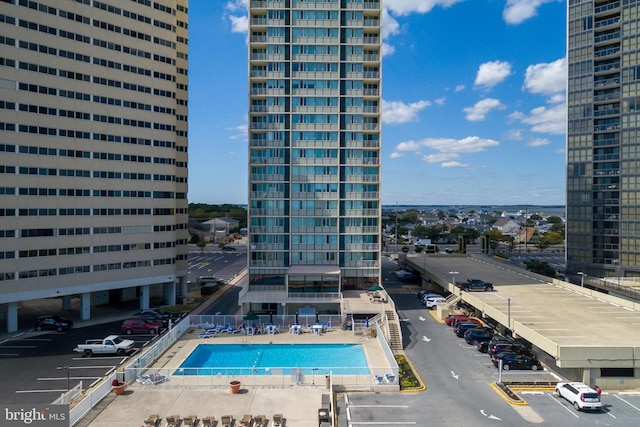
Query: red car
column 144, row 326
column 449, row 320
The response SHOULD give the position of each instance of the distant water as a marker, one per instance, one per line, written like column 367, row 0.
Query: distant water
column 558, row 210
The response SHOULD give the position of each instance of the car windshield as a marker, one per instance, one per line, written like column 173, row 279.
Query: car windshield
column 117, row 340
column 590, row 395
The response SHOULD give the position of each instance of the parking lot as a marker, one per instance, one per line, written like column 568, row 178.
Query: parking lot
column 458, row 380
column 38, row 366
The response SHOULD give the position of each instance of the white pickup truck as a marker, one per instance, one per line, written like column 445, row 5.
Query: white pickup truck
column 112, row 344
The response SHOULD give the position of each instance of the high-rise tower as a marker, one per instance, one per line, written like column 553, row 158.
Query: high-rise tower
column 603, row 218
column 93, row 151
column 314, row 152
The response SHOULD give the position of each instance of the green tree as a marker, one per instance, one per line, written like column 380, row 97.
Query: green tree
column 535, row 217
column 418, row 249
column 405, row 249
column 195, row 238
column 201, row 244
column 410, row 216
column 420, row 231
column 541, row 267
column 554, row 219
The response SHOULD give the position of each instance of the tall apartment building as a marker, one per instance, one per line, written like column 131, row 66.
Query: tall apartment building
column 314, row 153
column 93, row 151
column 603, row 148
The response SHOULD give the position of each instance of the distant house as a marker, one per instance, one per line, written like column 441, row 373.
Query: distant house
column 219, row 228
column 506, row 226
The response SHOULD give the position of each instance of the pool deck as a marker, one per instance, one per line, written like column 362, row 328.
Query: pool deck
column 210, row 396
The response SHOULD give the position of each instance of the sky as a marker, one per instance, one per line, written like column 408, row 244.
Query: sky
column 473, row 111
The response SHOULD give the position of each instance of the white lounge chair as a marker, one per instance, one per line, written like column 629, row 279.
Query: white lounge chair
column 389, row 378
column 155, row 379
column 379, row 379
column 208, row 334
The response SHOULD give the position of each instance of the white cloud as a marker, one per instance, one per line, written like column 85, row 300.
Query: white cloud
column 406, row 7
column 454, row 165
column 538, row 142
column 459, row 88
column 239, row 24
column 235, row 5
column 514, row 135
column 447, row 150
column 546, row 78
column 551, row 119
column 492, row 73
column 387, row 49
column 390, row 26
column 479, row 111
column 239, row 132
column 518, row 11
column 399, row 112
column 440, row 101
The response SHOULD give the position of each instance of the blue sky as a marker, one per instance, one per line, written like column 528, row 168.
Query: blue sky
column 473, row 102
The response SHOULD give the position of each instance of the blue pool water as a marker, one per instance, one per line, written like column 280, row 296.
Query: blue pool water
column 274, row 359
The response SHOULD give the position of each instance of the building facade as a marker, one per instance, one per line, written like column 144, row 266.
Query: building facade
column 314, row 153
column 603, row 219
column 93, row 164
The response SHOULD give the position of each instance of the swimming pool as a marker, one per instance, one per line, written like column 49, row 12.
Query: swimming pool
column 275, row 359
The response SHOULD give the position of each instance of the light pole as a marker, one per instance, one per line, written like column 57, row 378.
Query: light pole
column 581, row 278
column 453, row 274
column 509, row 313
column 66, row 368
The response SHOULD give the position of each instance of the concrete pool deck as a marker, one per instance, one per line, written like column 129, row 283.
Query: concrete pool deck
column 259, row 395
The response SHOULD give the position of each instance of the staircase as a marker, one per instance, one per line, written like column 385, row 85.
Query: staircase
column 395, row 339
column 452, row 300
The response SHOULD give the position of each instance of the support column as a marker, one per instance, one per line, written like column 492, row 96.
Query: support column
column 144, row 297
column 169, row 292
column 85, row 306
column 12, row 316
column 586, row 376
column 66, row 302
column 184, row 289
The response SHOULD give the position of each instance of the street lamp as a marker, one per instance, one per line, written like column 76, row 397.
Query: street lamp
column 453, row 274
column 66, row 368
column 581, row 278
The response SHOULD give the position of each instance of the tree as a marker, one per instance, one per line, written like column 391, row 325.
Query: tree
column 541, row 267
column 554, row 219
column 418, row 249
column 535, row 217
column 201, row 244
column 405, row 249
column 420, row 231
column 410, row 216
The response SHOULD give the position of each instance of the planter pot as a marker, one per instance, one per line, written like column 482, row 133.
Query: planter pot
column 118, row 389
column 234, row 387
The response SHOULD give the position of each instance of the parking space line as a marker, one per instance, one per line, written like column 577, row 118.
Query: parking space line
column 65, row 378
column 383, row 423
column 10, row 354
column 628, row 403
column 551, row 395
column 378, row 406
column 62, row 390
column 18, row 346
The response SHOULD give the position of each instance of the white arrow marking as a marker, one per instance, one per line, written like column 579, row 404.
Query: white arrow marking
column 424, row 338
column 491, row 417
column 421, row 318
column 453, row 374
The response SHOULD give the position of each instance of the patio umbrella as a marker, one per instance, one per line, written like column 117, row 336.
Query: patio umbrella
column 376, row 288
column 250, row 316
column 366, row 322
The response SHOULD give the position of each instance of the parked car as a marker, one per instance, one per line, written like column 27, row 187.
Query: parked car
column 153, row 315
column 467, row 320
column 483, row 345
column 516, row 361
column 433, row 302
column 580, row 395
column 472, row 336
column 430, row 295
column 461, row 328
column 228, row 249
column 140, row 325
column 450, row 319
column 56, row 323
column 509, row 347
column 475, row 285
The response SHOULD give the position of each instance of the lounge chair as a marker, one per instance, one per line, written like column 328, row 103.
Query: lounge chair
column 155, row 379
column 152, row 420
column 277, row 420
column 173, row 420
column 246, row 420
column 189, row 420
column 224, row 328
column 379, row 379
column 226, row 421
column 235, row 330
column 260, row 421
column 249, row 330
column 389, row 378
column 208, row 421
column 327, row 326
column 208, row 334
